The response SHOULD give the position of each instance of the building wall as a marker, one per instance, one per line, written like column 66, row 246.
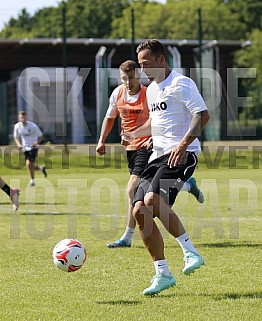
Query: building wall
column 56, row 108
column 16, row 55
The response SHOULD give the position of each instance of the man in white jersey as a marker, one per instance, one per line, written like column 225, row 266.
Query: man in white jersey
column 128, row 100
column 178, row 114
column 28, row 136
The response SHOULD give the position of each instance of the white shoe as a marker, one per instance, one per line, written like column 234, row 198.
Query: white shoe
column 159, row 283
column 32, row 183
column 14, row 197
column 193, row 262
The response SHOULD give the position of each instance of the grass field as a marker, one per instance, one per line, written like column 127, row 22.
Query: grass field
column 85, row 199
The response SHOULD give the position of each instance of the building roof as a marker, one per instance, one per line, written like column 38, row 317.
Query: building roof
column 18, row 53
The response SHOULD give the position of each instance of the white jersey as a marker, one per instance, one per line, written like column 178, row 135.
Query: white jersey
column 27, row 134
column 172, row 104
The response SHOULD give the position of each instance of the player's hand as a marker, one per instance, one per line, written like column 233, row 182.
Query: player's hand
column 126, row 139
column 20, row 147
column 176, row 156
column 125, row 142
column 101, row 149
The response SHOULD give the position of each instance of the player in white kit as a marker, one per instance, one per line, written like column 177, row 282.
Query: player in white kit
column 178, row 114
column 128, row 100
column 28, row 136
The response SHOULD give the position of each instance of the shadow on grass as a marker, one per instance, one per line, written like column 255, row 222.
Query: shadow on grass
column 40, row 213
column 229, row 244
column 236, row 296
column 49, row 213
column 119, row 302
column 216, row 297
column 36, row 203
column 167, row 246
column 42, row 203
column 161, row 296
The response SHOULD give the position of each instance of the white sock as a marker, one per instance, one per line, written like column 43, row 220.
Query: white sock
column 128, row 233
column 161, row 267
column 32, row 181
column 185, row 187
column 186, row 244
column 41, row 168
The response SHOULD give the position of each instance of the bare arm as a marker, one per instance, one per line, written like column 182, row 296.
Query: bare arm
column 142, row 131
column 107, row 126
column 197, row 125
column 17, row 141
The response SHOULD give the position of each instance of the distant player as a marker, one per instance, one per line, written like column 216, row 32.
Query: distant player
column 28, row 136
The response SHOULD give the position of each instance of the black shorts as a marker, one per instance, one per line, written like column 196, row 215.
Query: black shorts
column 31, row 155
column 138, row 160
column 159, row 178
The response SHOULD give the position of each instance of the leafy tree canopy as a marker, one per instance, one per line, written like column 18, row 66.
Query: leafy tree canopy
column 177, row 19
column 85, row 19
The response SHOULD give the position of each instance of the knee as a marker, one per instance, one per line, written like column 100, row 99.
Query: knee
column 137, row 210
column 149, row 200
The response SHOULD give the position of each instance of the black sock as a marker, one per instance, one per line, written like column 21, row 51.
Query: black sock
column 6, row 189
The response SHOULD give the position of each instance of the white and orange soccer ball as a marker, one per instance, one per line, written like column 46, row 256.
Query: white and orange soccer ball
column 69, row 255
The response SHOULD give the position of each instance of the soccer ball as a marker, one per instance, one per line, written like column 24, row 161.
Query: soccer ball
column 69, row 255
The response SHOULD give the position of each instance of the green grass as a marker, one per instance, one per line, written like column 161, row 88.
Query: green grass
column 226, row 229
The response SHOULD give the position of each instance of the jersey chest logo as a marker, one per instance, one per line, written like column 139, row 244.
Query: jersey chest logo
column 25, row 132
column 126, row 112
column 158, row 106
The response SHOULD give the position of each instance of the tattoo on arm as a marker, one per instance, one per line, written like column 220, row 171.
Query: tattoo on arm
column 198, row 123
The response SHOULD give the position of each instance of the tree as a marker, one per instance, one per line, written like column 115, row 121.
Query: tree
column 84, row 19
column 251, row 57
column 218, row 22
column 178, row 19
column 21, row 26
column 249, row 12
column 93, row 19
column 145, row 27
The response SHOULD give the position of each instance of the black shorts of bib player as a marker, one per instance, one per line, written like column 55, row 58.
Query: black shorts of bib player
column 138, row 160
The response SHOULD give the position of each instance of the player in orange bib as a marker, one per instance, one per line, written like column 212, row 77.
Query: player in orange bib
column 128, row 100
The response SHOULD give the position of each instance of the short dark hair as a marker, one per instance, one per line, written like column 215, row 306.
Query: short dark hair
column 155, row 47
column 22, row 113
column 128, row 65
